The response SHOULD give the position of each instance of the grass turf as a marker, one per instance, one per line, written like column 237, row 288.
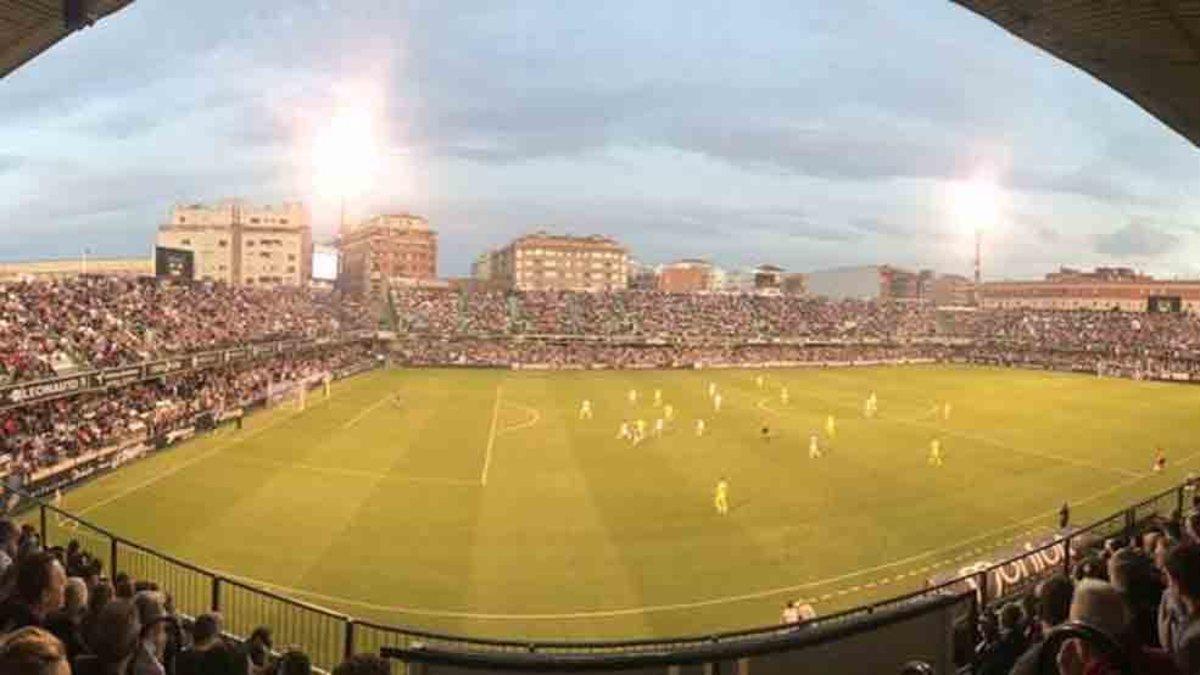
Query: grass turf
column 373, row 503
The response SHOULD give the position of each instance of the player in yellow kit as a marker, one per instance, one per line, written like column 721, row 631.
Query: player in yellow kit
column 935, row 452
column 721, row 497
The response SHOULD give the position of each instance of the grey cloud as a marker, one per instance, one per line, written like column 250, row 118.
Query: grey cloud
column 1137, row 239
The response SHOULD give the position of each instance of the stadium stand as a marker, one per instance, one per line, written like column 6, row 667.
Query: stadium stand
column 152, row 370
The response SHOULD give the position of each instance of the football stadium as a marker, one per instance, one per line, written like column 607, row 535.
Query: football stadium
column 259, row 452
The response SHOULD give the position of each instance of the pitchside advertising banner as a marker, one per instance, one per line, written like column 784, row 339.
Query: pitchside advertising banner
column 45, row 390
column 1043, row 558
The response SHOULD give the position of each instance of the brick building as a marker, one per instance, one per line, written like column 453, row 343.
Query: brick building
column 386, row 249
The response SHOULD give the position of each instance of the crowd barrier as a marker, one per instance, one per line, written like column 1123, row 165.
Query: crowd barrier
column 947, row 607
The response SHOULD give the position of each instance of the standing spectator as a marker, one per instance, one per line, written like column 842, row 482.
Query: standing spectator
column 10, row 534
column 999, row 657
column 1052, row 602
column 363, row 664
column 40, row 584
column 98, row 598
column 1179, row 624
column 67, row 623
column 1133, row 574
column 152, row 644
column 258, row 651
column 294, row 662
column 209, row 654
column 32, row 651
column 1099, row 605
column 115, row 642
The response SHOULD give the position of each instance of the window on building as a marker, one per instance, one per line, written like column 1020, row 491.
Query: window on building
column 255, row 220
column 222, row 243
column 185, row 242
column 249, row 242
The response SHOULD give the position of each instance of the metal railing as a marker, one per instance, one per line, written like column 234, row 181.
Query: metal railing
column 329, row 636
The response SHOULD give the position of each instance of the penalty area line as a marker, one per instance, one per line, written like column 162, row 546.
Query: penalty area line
column 236, row 440
column 367, row 411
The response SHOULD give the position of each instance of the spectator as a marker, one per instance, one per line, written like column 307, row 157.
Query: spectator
column 209, row 654
column 10, row 534
column 1052, row 602
column 115, row 641
column 1179, row 615
column 1099, row 605
column 363, row 664
column 999, row 657
column 32, row 651
column 152, row 643
column 1133, row 574
column 294, row 662
column 258, row 650
column 123, row 586
column 98, row 598
column 39, row 589
column 67, row 623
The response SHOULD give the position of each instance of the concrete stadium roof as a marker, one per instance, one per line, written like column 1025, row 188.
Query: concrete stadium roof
column 30, row 27
column 1149, row 50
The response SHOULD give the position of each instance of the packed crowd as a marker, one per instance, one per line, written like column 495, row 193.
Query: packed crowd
column 60, row 615
column 1144, row 593
column 41, row 434
column 47, row 327
column 650, row 329
column 653, row 315
column 580, row 354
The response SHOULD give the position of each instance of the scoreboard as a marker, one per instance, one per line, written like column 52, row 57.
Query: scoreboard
column 1164, row 304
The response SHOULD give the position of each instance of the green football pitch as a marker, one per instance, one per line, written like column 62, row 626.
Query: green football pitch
column 477, row 501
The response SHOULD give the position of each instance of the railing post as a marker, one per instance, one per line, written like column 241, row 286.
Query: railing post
column 215, row 605
column 112, row 556
column 348, row 640
column 42, row 523
column 1179, row 500
column 1067, row 555
column 981, row 581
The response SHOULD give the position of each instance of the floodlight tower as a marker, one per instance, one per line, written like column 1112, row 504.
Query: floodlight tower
column 978, row 262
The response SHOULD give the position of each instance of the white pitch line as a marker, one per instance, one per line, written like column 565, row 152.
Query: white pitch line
column 491, row 441
column 236, row 440
column 367, row 411
column 534, row 418
column 355, row 473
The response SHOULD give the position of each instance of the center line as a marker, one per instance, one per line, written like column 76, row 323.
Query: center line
column 491, row 441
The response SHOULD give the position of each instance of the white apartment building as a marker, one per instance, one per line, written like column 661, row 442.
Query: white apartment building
column 239, row 243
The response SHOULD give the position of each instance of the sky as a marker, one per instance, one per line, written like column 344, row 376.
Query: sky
column 805, row 134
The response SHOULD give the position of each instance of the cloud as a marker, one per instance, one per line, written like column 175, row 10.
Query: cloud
column 1137, row 239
